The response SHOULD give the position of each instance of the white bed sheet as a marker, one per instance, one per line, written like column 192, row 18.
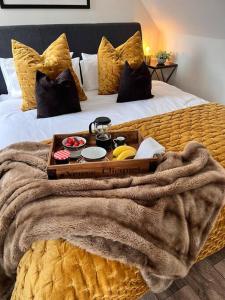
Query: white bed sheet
column 17, row 126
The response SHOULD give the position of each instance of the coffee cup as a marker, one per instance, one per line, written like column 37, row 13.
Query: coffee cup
column 119, row 141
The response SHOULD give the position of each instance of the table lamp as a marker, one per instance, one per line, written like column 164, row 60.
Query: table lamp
column 147, row 55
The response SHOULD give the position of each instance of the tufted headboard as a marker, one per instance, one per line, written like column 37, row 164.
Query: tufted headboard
column 81, row 37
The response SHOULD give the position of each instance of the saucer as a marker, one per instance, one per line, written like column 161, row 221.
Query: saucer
column 93, row 153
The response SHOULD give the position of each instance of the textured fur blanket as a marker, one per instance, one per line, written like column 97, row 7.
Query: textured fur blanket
column 157, row 222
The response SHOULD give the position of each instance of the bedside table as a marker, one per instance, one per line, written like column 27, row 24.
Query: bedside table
column 155, row 68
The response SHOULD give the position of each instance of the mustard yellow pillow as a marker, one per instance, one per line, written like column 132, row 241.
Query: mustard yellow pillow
column 52, row 62
column 112, row 60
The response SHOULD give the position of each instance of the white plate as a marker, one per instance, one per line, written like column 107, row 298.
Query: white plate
column 93, row 153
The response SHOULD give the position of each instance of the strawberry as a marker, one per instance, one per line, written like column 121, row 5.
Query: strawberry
column 70, row 141
column 81, row 142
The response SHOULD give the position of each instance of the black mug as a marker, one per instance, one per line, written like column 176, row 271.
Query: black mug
column 119, row 141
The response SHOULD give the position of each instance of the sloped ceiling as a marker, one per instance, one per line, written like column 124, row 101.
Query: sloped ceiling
column 193, row 17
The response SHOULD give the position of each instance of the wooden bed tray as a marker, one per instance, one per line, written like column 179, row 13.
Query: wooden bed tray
column 108, row 168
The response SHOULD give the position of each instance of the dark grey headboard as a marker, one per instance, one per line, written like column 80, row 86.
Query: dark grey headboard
column 81, row 37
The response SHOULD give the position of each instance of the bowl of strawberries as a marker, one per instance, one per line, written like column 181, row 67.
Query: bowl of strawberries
column 74, row 142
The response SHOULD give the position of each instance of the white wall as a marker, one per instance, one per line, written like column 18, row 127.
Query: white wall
column 195, row 31
column 101, row 11
column 201, row 62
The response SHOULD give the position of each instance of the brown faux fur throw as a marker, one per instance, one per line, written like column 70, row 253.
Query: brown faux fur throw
column 157, row 222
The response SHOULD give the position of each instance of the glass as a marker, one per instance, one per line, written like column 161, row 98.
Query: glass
column 101, row 130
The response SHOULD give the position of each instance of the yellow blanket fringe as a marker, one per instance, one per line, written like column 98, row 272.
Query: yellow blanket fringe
column 56, row 270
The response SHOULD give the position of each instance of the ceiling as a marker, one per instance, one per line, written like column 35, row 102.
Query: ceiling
column 193, row 17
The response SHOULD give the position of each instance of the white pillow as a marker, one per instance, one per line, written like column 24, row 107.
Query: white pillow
column 89, row 69
column 10, row 77
column 76, row 67
column 87, row 56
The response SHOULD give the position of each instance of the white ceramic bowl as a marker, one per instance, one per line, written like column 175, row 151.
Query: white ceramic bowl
column 79, row 138
column 93, row 153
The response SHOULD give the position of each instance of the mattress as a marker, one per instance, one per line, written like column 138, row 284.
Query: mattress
column 17, row 126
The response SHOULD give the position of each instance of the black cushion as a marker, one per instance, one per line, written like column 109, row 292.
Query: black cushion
column 135, row 84
column 56, row 97
column 3, row 87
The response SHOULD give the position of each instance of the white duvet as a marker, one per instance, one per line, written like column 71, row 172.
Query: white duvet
column 17, row 126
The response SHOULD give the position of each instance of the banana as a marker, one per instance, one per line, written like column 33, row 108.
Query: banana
column 121, row 149
column 127, row 154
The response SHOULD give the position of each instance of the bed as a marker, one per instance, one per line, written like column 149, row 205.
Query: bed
column 186, row 115
column 18, row 126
